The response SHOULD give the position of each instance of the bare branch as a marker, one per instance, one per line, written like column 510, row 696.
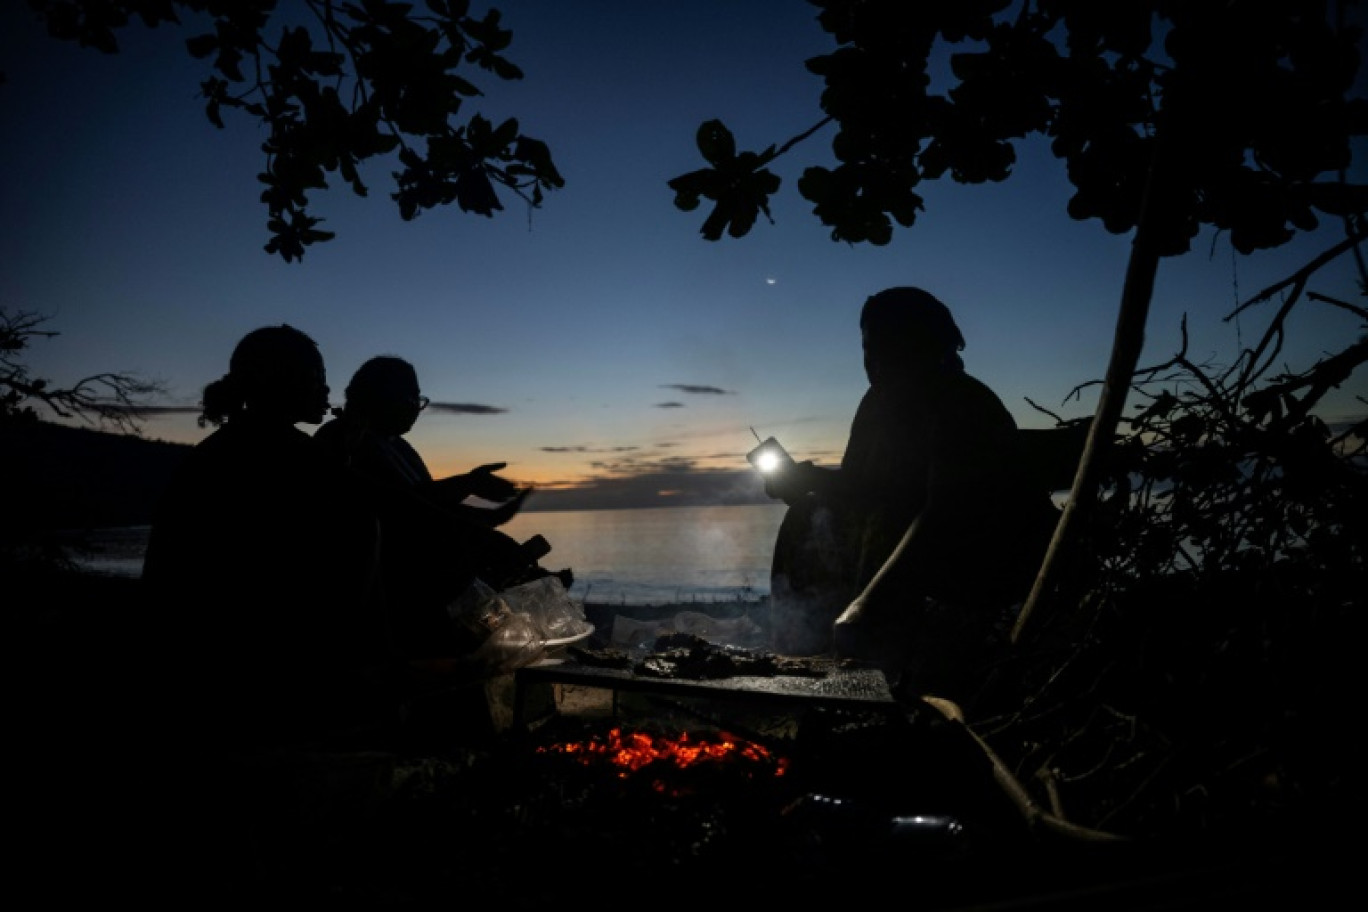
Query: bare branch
column 115, row 400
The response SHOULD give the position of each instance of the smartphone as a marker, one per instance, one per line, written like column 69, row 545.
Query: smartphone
column 769, row 457
column 535, row 548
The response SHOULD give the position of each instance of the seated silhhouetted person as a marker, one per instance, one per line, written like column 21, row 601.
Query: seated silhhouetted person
column 271, row 694
column 912, row 552
column 434, row 543
column 262, row 568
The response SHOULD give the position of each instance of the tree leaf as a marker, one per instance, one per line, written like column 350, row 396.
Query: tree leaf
column 716, row 143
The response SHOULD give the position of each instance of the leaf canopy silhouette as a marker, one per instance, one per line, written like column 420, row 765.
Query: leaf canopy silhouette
column 347, row 83
column 1258, row 101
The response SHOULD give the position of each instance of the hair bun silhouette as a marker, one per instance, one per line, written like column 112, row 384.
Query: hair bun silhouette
column 261, row 362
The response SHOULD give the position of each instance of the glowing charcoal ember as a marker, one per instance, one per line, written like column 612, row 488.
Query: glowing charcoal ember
column 633, row 751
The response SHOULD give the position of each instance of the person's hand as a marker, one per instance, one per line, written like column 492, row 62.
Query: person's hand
column 509, row 508
column 851, row 630
column 791, row 482
column 483, row 483
column 869, row 628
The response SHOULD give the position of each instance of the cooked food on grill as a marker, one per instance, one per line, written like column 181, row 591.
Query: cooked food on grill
column 691, row 657
column 607, row 657
column 683, row 655
column 700, row 664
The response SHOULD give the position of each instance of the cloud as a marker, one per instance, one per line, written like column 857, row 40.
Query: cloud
column 465, row 408
column 697, row 390
column 448, row 408
column 649, row 478
column 661, row 486
column 153, row 411
column 587, row 449
column 669, row 405
column 628, row 477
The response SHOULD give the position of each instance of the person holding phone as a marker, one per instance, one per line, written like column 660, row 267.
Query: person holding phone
column 911, row 553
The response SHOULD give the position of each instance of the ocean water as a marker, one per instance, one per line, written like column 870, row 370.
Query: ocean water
column 659, row 555
column 653, row 556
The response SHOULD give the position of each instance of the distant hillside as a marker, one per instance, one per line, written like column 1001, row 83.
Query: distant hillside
column 58, row 477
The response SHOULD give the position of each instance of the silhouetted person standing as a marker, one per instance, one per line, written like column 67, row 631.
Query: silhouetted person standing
column 912, row 552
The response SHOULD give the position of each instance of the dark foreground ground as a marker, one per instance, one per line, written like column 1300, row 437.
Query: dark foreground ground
column 900, row 809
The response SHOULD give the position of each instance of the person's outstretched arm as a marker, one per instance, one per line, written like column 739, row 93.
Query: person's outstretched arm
column 492, row 516
column 482, row 482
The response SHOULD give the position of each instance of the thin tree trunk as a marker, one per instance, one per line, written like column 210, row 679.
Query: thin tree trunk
column 1127, row 343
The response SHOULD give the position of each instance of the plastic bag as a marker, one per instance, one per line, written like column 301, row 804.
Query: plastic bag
column 497, row 639
column 550, row 606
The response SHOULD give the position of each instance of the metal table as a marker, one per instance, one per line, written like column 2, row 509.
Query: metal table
column 838, row 687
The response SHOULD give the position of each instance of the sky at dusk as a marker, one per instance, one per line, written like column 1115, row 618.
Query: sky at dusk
column 612, row 355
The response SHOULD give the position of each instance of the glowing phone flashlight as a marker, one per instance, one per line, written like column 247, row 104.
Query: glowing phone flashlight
column 769, row 457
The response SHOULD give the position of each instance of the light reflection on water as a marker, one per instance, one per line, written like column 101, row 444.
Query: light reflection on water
column 635, row 557
column 660, row 555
